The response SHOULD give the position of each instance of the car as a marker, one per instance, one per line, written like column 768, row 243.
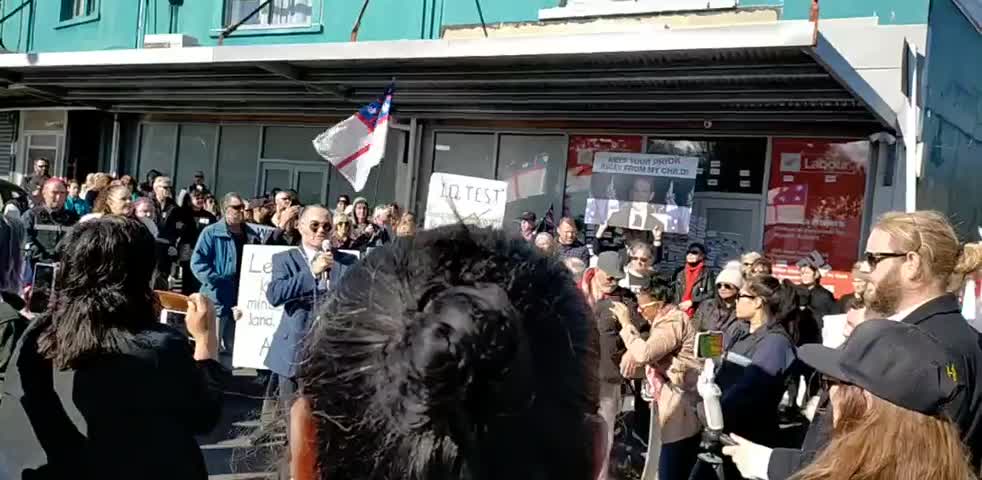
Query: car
column 11, row 193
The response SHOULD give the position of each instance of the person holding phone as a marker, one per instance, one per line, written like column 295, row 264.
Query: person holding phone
column 98, row 387
column 668, row 360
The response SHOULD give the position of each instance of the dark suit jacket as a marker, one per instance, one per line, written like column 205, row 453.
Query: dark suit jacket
column 293, row 287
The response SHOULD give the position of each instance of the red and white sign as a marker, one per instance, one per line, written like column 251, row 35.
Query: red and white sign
column 815, row 202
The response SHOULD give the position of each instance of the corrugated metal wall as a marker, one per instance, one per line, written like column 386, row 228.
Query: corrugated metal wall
column 8, row 134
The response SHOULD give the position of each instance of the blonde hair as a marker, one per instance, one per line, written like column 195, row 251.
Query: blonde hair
column 886, row 442
column 930, row 234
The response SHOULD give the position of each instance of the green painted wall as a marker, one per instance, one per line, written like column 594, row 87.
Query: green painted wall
column 39, row 28
column 890, row 12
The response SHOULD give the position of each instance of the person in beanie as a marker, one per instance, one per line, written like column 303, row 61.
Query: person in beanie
column 718, row 312
column 693, row 282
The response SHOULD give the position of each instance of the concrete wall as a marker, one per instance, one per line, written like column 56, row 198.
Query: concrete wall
column 952, row 125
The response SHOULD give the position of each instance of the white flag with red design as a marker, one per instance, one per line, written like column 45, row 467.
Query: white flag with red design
column 357, row 144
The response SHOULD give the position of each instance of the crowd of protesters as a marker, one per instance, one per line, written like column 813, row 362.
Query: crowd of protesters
column 462, row 352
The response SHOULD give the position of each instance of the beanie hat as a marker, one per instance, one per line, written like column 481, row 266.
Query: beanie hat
column 731, row 276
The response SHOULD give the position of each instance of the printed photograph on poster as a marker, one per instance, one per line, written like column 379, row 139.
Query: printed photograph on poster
column 471, row 200
column 642, row 191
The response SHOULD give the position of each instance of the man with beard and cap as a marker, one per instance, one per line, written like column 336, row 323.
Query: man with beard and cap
column 915, row 261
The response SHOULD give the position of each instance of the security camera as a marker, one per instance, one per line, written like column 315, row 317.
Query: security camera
column 707, row 124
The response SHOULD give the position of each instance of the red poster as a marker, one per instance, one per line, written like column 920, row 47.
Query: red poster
column 815, row 201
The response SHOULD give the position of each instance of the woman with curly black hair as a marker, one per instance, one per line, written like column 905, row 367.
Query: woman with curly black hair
column 460, row 354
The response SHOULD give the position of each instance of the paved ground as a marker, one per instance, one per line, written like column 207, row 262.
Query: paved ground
column 228, row 452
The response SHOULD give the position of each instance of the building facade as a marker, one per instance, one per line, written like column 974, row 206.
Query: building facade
column 752, row 88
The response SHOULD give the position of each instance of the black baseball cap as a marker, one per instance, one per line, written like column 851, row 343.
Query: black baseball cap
column 898, row 362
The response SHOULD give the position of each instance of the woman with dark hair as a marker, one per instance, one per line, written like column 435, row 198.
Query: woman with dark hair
column 671, row 368
column 99, row 387
column 756, row 366
column 458, row 355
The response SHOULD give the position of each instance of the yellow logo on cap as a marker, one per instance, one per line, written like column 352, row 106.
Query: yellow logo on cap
column 951, row 372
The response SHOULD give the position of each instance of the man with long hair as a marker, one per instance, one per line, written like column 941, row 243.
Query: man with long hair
column 915, row 261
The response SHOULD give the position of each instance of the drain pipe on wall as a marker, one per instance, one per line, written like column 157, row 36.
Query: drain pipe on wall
column 141, row 23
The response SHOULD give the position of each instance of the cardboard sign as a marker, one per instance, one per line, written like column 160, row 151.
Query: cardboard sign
column 642, row 191
column 477, row 201
column 254, row 331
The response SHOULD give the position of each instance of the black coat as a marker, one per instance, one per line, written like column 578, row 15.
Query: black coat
column 128, row 415
column 942, row 318
column 702, row 290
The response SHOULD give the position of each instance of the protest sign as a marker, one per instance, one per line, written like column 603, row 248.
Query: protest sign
column 642, row 191
column 254, row 331
column 471, row 200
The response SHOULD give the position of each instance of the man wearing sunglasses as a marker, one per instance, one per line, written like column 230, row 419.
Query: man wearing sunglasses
column 216, row 261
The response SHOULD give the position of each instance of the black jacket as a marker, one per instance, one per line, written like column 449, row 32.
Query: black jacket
column 12, row 326
column 942, row 318
column 819, row 300
column 702, row 290
column 45, row 228
column 284, row 238
column 713, row 314
column 577, row 249
column 128, row 415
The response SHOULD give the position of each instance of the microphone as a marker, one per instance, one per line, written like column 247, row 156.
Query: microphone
column 326, row 246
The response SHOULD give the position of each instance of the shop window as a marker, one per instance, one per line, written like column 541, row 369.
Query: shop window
column 158, row 142
column 470, row 154
column 533, row 167
column 237, row 160
column 195, row 152
column 291, row 143
column 279, row 13
column 732, row 165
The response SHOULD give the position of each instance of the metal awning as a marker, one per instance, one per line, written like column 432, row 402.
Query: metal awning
column 765, row 73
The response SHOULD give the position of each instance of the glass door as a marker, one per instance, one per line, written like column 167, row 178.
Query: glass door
column 733, row 224
column 309, row 181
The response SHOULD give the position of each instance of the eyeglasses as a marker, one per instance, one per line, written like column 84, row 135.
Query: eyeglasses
column 728, row 286
column 643, row 306
column 315, row 226
column 695, row 252
column 236, row 207
column 874, row 258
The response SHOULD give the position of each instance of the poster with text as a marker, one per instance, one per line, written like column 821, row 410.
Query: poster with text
column 579, row 165
column 254, row 331
column 642, row 191
column 815, row 203
column 471, row 200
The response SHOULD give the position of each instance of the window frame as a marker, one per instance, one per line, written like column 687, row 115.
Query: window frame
column 68, row 16
column 316, row 24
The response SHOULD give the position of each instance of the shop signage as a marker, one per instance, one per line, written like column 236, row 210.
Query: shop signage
column 642, row 191
column 815, row 203
column 471, row 200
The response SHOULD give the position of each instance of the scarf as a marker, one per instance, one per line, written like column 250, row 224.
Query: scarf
column 692, row 273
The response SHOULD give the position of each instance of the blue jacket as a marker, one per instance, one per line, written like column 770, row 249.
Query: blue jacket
column 292, row 286
column 215, row 264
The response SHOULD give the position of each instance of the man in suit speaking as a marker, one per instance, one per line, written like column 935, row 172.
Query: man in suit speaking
column 301, row 277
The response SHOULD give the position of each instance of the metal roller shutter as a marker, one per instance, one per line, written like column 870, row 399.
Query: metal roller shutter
column 8, row 135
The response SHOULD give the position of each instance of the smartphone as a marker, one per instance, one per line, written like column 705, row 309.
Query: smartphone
column 709, row 344
column 173, row 311
column 175, row 319
column 43, row 287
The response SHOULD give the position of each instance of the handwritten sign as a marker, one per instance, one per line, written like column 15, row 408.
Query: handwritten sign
column 471, row 200
column 254, row 331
